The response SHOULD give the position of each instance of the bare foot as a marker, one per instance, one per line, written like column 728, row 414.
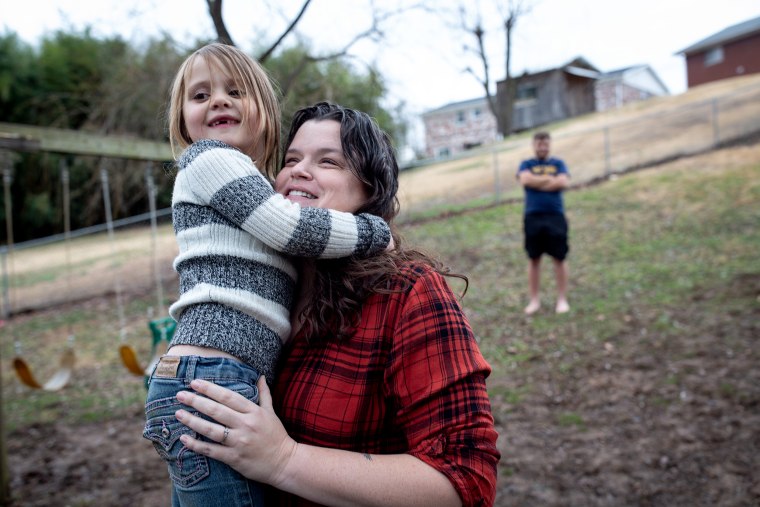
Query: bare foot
column 562, row 306
column 532, row 307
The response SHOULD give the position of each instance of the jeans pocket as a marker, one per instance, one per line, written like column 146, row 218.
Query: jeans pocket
column 186, row 467
column 246, row 390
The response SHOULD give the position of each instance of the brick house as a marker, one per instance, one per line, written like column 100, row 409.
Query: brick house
column 457, row 127
column 731, row 52
column 630, row 84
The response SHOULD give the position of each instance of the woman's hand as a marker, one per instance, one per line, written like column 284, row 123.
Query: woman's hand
column 258, row 447
column 256, row 443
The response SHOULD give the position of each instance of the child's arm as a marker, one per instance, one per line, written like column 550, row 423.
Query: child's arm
column 225, row 179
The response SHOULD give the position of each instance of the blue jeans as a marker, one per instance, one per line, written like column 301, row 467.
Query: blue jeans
column 196, row 479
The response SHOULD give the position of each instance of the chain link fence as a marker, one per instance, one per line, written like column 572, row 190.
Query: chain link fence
column 594, row 147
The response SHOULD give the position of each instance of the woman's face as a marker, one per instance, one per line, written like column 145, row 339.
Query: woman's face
column 316, row 174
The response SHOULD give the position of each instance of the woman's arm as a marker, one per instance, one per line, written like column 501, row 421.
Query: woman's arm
column 258, row 447
column 217, row 175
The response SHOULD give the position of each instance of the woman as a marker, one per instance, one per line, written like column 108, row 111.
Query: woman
column 381, row 391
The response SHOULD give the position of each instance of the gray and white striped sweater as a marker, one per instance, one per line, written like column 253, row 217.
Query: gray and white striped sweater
column 236, row 288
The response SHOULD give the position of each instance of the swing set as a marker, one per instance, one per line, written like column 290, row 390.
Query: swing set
column 161, row 329
column 68, row 358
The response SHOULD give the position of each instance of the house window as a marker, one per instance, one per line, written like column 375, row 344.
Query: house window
column 714, row 56
column 528, row 92
column 443, row 152
column 476, row 113
column 460, row 116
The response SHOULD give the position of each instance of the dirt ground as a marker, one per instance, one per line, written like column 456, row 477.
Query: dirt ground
column 631, row 449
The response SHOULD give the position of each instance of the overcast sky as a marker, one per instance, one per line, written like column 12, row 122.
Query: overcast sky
column 422, row 60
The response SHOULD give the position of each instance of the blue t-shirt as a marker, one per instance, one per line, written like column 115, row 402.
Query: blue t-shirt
column 539, row 201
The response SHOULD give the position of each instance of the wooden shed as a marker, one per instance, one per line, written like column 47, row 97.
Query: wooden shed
column 552, row 95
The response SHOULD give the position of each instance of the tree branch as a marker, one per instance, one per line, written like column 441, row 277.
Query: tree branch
column 266, row 54
column 215, row 10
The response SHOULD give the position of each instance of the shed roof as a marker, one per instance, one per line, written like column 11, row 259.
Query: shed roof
column 730, row 34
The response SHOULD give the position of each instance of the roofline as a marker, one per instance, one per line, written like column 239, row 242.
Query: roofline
column 456, row 105
column 634, row 68
column 727, row 35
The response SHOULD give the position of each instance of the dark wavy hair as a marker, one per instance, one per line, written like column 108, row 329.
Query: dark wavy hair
column 342, row 285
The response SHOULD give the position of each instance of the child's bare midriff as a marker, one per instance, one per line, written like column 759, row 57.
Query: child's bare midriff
column 194, row 350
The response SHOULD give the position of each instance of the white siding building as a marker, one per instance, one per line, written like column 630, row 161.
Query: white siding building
column 631, row 84
column 457, row 127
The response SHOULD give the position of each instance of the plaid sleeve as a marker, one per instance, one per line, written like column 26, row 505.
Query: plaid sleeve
column 437, row 376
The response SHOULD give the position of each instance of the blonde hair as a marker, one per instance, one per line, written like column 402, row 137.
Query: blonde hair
column 252, row 79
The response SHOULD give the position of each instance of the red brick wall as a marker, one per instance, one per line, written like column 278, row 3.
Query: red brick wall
column 739, row 57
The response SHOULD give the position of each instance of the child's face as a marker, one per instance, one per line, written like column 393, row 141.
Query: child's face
column 316, row 174
column 213, row 108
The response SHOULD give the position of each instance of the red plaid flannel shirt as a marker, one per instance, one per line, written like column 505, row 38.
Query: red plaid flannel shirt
column 411, row 380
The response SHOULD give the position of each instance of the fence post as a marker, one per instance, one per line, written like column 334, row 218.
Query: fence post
column 7, row 169
column 5, row 485
column 6, row 293
column 716, row 128
column 496, row 182
column 607, row 163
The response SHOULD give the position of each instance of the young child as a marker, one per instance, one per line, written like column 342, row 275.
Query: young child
column 236, row 289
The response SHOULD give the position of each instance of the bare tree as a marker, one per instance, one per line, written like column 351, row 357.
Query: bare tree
column 500, row 104
column 373, row 32
column 291, row 26
column 215, row 11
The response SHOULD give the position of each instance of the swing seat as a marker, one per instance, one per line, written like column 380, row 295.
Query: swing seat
column 59, row 379
column 162, row 331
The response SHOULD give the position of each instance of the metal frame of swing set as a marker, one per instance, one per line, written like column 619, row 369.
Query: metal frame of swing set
column 17, row 137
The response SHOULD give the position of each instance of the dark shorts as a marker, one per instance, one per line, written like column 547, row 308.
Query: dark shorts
column 546, row 233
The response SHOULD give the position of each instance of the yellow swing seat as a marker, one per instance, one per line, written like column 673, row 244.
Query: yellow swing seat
column 162, row 331
column 59, row 379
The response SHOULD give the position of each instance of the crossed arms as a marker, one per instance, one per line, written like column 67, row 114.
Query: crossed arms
column 543, row 182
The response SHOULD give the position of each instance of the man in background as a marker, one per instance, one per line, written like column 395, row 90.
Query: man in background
column 544, row 223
